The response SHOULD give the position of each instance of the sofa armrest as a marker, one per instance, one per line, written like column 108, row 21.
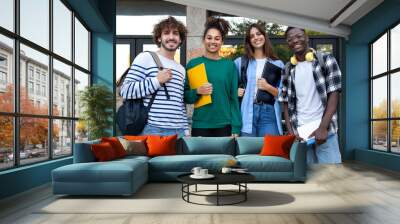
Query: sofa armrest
column 83, row 152
column 298, row 154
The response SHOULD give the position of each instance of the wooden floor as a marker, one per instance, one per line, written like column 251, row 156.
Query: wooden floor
column 377, row 188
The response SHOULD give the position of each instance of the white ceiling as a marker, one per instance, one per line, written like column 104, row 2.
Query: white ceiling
column 318, row 15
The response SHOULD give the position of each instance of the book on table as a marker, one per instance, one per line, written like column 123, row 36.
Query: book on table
column 197, row 77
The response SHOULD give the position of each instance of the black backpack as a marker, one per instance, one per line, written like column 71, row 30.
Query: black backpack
column 132, row 115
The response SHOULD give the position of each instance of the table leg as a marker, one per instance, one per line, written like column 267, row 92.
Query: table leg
column 217, row 194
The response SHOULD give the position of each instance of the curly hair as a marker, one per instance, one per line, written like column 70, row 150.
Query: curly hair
column 169, row 23
column 217, row 23
column 267, row 49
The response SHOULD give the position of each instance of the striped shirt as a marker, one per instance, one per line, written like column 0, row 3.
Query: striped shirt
column 141, row 82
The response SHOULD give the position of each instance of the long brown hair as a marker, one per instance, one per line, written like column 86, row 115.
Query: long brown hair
column 249, row 49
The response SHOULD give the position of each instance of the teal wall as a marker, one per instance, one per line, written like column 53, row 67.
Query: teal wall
column 99, row 16
column 356, row 96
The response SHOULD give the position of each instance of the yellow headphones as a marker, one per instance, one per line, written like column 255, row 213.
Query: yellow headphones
column 309, row 57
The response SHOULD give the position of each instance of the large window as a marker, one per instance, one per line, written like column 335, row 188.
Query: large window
column 40, row 80
column 385, row 95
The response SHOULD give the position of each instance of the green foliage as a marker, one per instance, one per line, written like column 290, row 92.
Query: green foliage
column 239, row 29
column 97, row 104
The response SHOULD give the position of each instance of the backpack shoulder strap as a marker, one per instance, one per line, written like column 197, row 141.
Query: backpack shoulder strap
column 244, row 63
column 156, row 60
column 160, row 67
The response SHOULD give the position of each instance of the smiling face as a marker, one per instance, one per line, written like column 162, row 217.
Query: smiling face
column 257, row 39
column 297, row 41
column 213, row 40
column 170, row 39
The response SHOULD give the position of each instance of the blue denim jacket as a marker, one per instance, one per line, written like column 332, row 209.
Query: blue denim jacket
column 247, row 102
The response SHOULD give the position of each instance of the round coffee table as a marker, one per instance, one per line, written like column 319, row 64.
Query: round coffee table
column 238, row 179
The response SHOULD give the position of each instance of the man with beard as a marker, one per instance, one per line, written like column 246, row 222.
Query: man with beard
column 167, row 115
column 310, row 93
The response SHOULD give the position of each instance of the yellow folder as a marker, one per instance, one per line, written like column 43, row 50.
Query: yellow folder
column 197, row 77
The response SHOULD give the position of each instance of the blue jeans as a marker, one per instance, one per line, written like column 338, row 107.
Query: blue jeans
column 153, row 130
column 325, row 153
column 264, row 121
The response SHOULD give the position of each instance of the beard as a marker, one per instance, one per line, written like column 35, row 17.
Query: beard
column 165, row 46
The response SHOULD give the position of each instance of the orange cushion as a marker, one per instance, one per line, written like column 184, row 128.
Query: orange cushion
column 116, row 145
column 277, row 145
column 103, row 151
column 161, row 145
column 135, row 138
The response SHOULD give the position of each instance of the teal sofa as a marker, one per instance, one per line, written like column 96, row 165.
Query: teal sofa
column 125, row 176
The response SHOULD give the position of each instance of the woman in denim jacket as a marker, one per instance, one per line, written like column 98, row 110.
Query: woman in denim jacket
column 260, row 115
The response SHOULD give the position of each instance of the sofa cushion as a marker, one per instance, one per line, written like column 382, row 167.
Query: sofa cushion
column 185, row 163
column 277, row 145
column 257, row 163
column 83, row 152
column 103, row 152
column 112, row 171
column 161, row 145
column 116, row 145
column 249, row 145
column 207, row 145
column 134, row 147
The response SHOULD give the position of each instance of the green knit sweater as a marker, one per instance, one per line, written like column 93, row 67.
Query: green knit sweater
column 224, row 109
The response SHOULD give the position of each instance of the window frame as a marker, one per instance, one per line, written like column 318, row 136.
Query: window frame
column 388, row 74
column 16, row 115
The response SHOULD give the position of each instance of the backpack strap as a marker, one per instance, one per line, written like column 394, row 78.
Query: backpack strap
column 244, row 63
column 160, row 67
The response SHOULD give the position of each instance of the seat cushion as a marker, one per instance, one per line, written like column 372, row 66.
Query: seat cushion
column 207, row 145
column 112, row 171
column 257, row 163
column 249, row 145
column 185, row 163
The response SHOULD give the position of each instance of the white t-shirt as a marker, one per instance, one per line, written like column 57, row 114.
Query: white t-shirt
column 259, row 69
column 309, row 104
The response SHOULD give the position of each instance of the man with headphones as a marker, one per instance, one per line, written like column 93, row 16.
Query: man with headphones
column 311, row 83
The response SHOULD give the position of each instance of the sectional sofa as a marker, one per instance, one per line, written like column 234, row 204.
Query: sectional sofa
column 125, row 176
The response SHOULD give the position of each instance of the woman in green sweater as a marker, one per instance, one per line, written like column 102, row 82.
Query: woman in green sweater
column 222, row 116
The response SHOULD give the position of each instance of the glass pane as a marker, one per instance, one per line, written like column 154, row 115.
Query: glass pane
column 395, row 136
column 6, row 142
column 395, row 47
column 62, row 89
column 379, row 56
column 123, row 59
column 328, row 48
column 62, row 29
column 81, row 131
column 81, row 81
column 33, row 139
column 379, row 98
column 7, row 14
column 283, row 52
column 124, row 24
column 35, row 21
column 379, row 135
column 81, row 45
column 395, row 95
column 34, row 97
column 6, row 74
column 62, row 138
